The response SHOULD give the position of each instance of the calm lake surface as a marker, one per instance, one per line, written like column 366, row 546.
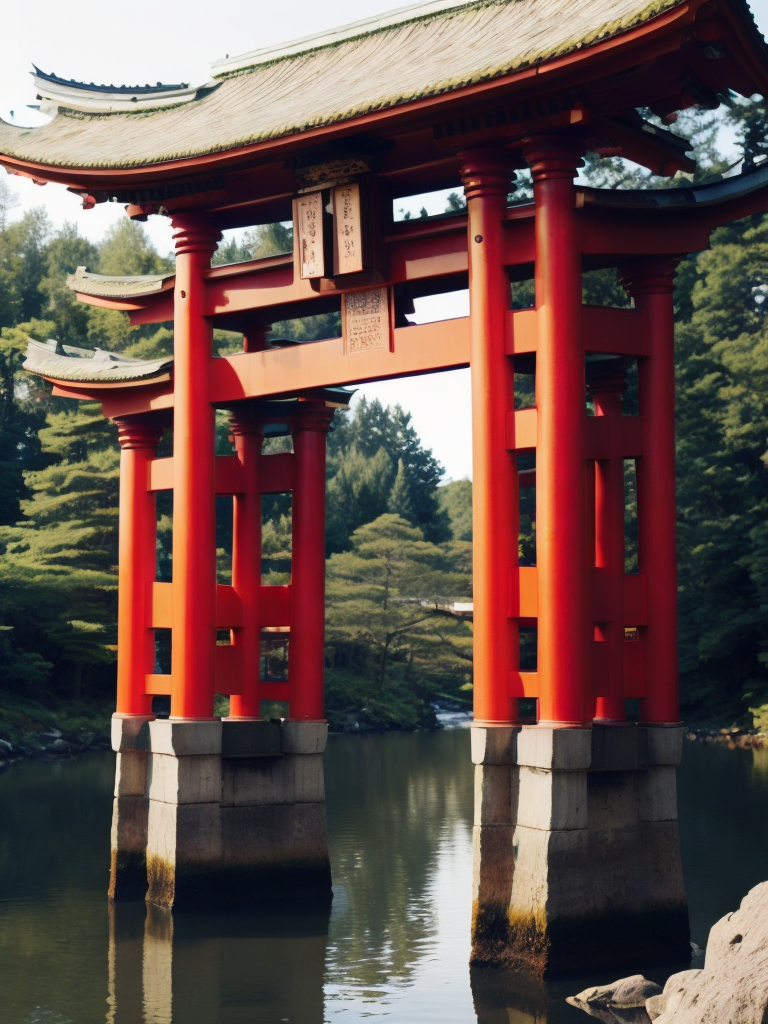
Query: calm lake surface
column 396, row 943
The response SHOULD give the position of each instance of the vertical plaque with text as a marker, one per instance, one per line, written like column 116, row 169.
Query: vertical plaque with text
column 308, row 229
column 365, row 320
column 347, row 229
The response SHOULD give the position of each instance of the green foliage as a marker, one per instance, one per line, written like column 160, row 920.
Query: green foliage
column 456, row 499
column 58, row 506
column 58, row 575
column 385, row 624
column 722, row 479
column 364, row 455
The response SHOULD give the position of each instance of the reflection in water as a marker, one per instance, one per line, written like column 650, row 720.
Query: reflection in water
column 189, row 968
column 397, row 942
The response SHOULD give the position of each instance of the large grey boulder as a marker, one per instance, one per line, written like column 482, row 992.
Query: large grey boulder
column 733, row 986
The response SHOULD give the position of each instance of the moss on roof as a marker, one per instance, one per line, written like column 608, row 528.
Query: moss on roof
column 57, row 361
column 392, row 65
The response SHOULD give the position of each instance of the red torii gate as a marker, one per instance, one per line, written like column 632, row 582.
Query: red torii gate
column 538, row 784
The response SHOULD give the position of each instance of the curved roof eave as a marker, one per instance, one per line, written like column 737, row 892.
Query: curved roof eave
column 23, row 149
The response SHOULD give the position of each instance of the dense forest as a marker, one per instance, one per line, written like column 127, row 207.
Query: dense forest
column 398, row 540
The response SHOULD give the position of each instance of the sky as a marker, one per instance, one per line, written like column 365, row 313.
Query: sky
column 173, row 42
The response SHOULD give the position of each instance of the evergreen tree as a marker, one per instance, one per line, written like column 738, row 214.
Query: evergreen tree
column 399, row 501
column 456, row 500
column 61, row 559
column 66, row 251
column 20, row 419
column 382, row 618
column 24, row 256
column 722, row 426
column 374, row 427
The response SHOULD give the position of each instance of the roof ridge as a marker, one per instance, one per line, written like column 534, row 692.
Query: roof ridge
column 329, row 38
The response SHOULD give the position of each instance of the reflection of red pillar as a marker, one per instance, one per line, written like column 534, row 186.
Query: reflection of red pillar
column 495, row 507
column 137, row 565
column 606, row 382
column 651, row 284
column 246, row 564
column 194, row 507
column 560, row 404
column 306, row 648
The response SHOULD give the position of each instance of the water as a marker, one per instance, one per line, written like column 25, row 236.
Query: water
column 396, row 943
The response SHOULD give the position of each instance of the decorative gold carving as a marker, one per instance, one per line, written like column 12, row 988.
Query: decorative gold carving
column 347, row 229
column 321, row 175
column 365, row 320
column 308, row 230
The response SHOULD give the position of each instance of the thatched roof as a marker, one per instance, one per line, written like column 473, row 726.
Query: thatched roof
column 430, row 49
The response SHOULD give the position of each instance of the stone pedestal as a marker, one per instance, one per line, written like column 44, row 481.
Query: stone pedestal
column 219, row 811
column 581, row 868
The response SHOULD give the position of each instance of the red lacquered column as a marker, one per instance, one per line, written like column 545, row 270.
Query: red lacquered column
column 137, row 564
column 564, row 689
column 651, row 284
column 606, row 383
column 194, row 503
column 495, row 503
column 306, row 648
column 246, row 564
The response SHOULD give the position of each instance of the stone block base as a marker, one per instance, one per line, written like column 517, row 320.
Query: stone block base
column 577, row 852
column 212, row 812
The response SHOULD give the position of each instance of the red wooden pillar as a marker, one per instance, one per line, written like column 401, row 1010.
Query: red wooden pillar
column 137, row 565
column 246, row 564
column 495, row 503
column 306, row 648
column 606, row 383
column 194, row 503
column 651, row 284
column 564, row 688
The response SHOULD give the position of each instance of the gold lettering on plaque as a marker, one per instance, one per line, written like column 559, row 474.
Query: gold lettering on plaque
column 365, row 320
column 308, row 228
column 347, row 229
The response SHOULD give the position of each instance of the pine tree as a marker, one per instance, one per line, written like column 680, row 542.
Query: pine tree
column 60, row 565
column 456, row 500
column 66, row 251
column 399, row 501
column 383, row 619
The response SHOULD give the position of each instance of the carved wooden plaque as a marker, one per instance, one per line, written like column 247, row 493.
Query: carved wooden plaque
column 308, row 229
column 347, row 229
column 365, row 320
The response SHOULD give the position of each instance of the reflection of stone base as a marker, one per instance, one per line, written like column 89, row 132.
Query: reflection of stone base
column 166, row 967
column 577, row 851
column 506, row 997
column 231, row 810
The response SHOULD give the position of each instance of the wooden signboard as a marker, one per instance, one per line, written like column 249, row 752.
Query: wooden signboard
column 308, row 228
column 347, row 229
column 365, row 320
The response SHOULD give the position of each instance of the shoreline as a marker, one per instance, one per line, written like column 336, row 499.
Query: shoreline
column 733, row 737
column 54, row 744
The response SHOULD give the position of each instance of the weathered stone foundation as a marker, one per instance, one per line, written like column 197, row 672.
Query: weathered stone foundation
column 577, row 851
column 231, row 811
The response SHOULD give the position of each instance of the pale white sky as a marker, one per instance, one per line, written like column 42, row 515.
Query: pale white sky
column 170, row 41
